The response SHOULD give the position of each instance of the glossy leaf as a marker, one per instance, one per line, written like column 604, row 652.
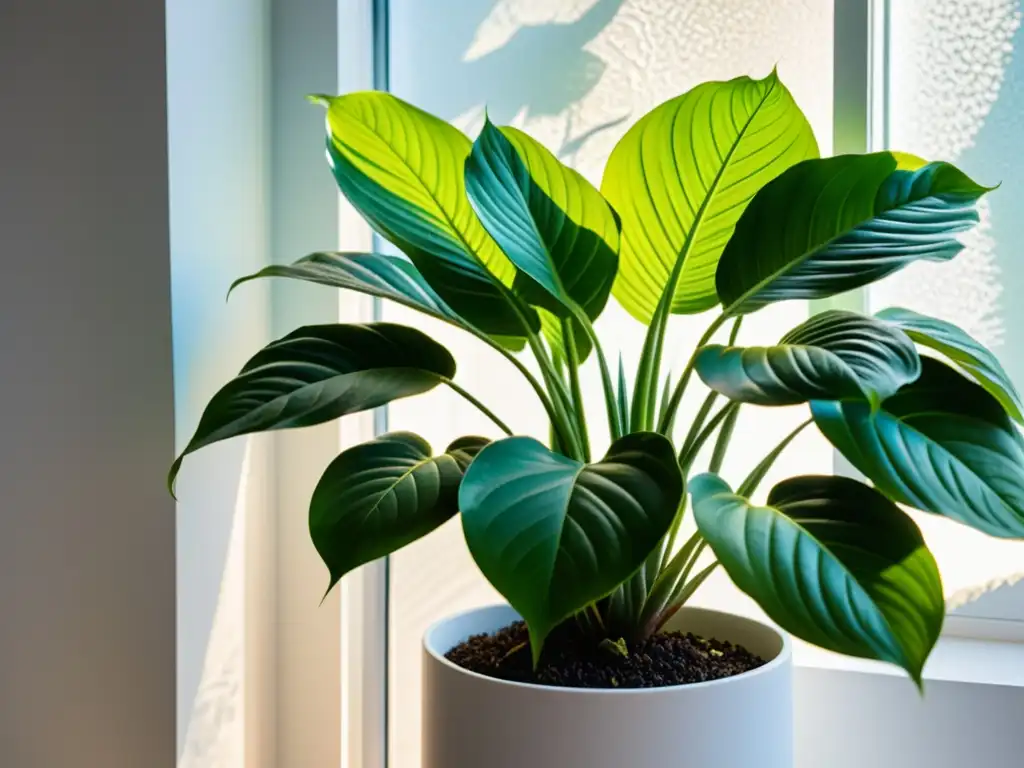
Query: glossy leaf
column 377, row 497
column 828, row 226
column 550, row 222
column 942, row 444
column 402, row 169
column 681, row 177
column 374, row 274
column 832, row 561
column 553, row 534
column 834, row 355
column 318, row 373
column 964, row 350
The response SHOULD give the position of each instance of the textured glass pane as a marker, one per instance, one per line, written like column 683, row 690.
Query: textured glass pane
column 576, row 74
column 956, row 92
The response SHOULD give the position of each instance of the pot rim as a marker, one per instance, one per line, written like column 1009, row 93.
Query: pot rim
column 783, row 658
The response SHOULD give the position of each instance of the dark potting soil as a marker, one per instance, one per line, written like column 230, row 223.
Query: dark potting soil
column 572, row 660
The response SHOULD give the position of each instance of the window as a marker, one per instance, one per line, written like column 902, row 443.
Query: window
column 577, row 74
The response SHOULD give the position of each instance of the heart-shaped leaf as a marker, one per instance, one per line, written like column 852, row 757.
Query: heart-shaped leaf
column 379, row 496
column 375, row 274
column 828, row 226
column 942, row 444
column 681, row 177
column 964, row 350
column 834, row 355
column 550, row 222
column 318, row 373
column 832, row 561
column 553, row 534
column 402, row 169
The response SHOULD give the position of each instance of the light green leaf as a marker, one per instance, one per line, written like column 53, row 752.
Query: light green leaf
column 832, row 561
column 828, row 226
column 550, row 222
column 942, row 444
column 834, row 355
column 375, row 274
column 964, row 350
column 553, row 534
column 681, row 177
column 402, row 169
column 319, row 373
column 379, row 496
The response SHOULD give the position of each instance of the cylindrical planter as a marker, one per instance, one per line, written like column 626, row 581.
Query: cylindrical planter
column 472, row 721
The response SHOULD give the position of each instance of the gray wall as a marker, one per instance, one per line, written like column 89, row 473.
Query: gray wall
column 86, row 526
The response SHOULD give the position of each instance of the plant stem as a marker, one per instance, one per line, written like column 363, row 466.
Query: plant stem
column 698, row 422
column 573, row 363
column 677, row 394
column 722, row 443
column 480, row 406
column 749, row 485
column 560, row 418
column 614, row 424
column 686, row 458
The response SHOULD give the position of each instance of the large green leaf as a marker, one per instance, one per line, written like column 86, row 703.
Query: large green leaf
column 550, row 222
column 828, row 226
column 318, row 373
column 375, row 274
column 834, row 355
column 832, row 561
column 942, row 444
column 964, row 350
column 553, row 534
column 681, row 177
column 381, row 495
column 402, row 169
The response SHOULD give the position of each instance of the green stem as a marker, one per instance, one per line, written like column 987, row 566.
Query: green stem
column 722, row 443
column 687, row 458
column 616, row 427
column 754, row 479
column 650, row 364
column 563, row 422
column 677, row 394
column 480, row 406
column 573, row 363
column 698, row 422
column 536, row 385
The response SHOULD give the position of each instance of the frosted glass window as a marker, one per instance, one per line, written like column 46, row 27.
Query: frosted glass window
column 576, row 74
column 955, row 92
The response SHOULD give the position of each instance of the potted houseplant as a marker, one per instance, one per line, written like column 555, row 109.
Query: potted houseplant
column 715, row 200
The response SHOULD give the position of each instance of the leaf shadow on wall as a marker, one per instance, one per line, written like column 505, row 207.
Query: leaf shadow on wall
column 541, row 70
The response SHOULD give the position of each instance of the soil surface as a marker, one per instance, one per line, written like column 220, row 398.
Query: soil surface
column 572, row 660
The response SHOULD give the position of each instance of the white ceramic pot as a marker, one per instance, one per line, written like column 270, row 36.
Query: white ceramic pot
column 472, row 721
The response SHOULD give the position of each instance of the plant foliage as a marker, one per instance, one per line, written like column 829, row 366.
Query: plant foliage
column 716, row 199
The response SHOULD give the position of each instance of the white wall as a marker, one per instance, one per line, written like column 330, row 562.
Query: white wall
column 219, row 135
column 86, row 526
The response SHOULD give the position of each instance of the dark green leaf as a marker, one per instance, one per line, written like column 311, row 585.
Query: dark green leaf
column 553, row 534
column 550, row 222
column 319, row 373
column 834, row 355
column 828, row 226
column 832, row 561
column 942, row 444
column 379, row 496
column 681, row 177
column 402, row 169
column 964, row 350
column 375, row 274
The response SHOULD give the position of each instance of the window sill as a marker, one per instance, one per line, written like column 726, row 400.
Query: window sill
column 955, row 659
